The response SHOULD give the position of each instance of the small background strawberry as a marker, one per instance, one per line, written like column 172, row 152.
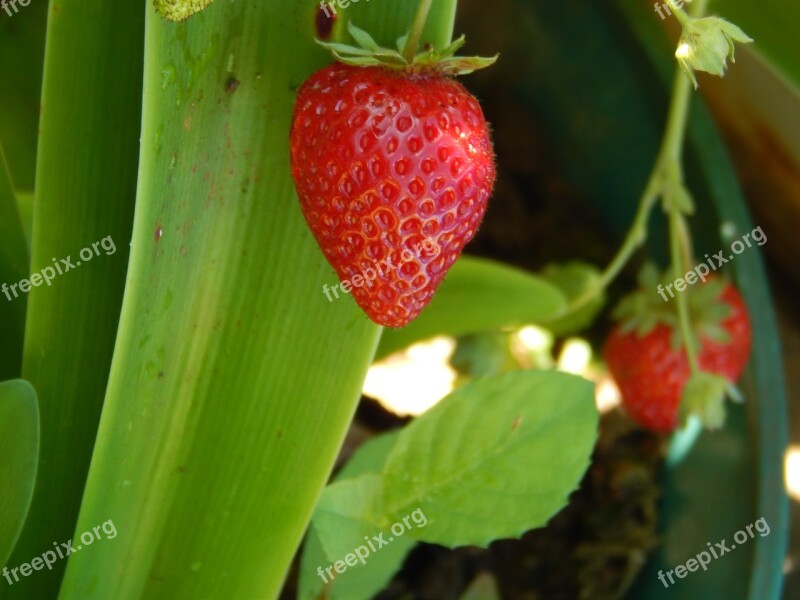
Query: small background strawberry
column 386, row 161
column 646, row 358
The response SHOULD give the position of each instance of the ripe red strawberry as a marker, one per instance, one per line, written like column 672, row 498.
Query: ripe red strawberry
column 393, row 169
column 651, row 372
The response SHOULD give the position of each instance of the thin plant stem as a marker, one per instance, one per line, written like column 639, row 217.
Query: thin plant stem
column 414, row 36
column 680, row 239
column 667, row 172
column 678, row 233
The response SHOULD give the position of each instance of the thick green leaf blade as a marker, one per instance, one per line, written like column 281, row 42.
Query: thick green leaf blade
column 497, row 457
column 19, row 447
column 479, row 295
column 22, row 41
column 230, row 365
column 25, row 208
column 85, row 187
column 14, row 261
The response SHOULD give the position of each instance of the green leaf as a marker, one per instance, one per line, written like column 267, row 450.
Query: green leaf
column 21, row 60
column 346, row 524
column 346, row 513
column 19, row 447
column 85, row 188
column 340, row 501
column 496, row 458
column 479, row 295
column 370, row 457
column 14, row 263
column 513, row 445
column 230, row 366
column 310, row 586
column 25, row 208
column 360, row 582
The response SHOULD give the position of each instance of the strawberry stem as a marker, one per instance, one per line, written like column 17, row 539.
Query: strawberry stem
column 678, row 236
column 680, row 14
column 415, row 34
column 666, row 179
column 636, row 236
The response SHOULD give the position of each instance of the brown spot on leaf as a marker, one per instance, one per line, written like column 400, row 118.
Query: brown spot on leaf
column 231, row 85
column 324, row 22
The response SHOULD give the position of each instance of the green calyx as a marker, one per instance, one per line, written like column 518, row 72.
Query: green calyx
column 644, row 309
column 706, row 44
column 704, row 397
column 368, row 53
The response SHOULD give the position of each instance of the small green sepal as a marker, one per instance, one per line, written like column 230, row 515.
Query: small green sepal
column 367, row 53
column 704, row 397
column 706, row 44
column 651, row 304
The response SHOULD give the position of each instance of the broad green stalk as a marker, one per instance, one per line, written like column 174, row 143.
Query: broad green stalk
column 234, row 380
column 85, row 187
